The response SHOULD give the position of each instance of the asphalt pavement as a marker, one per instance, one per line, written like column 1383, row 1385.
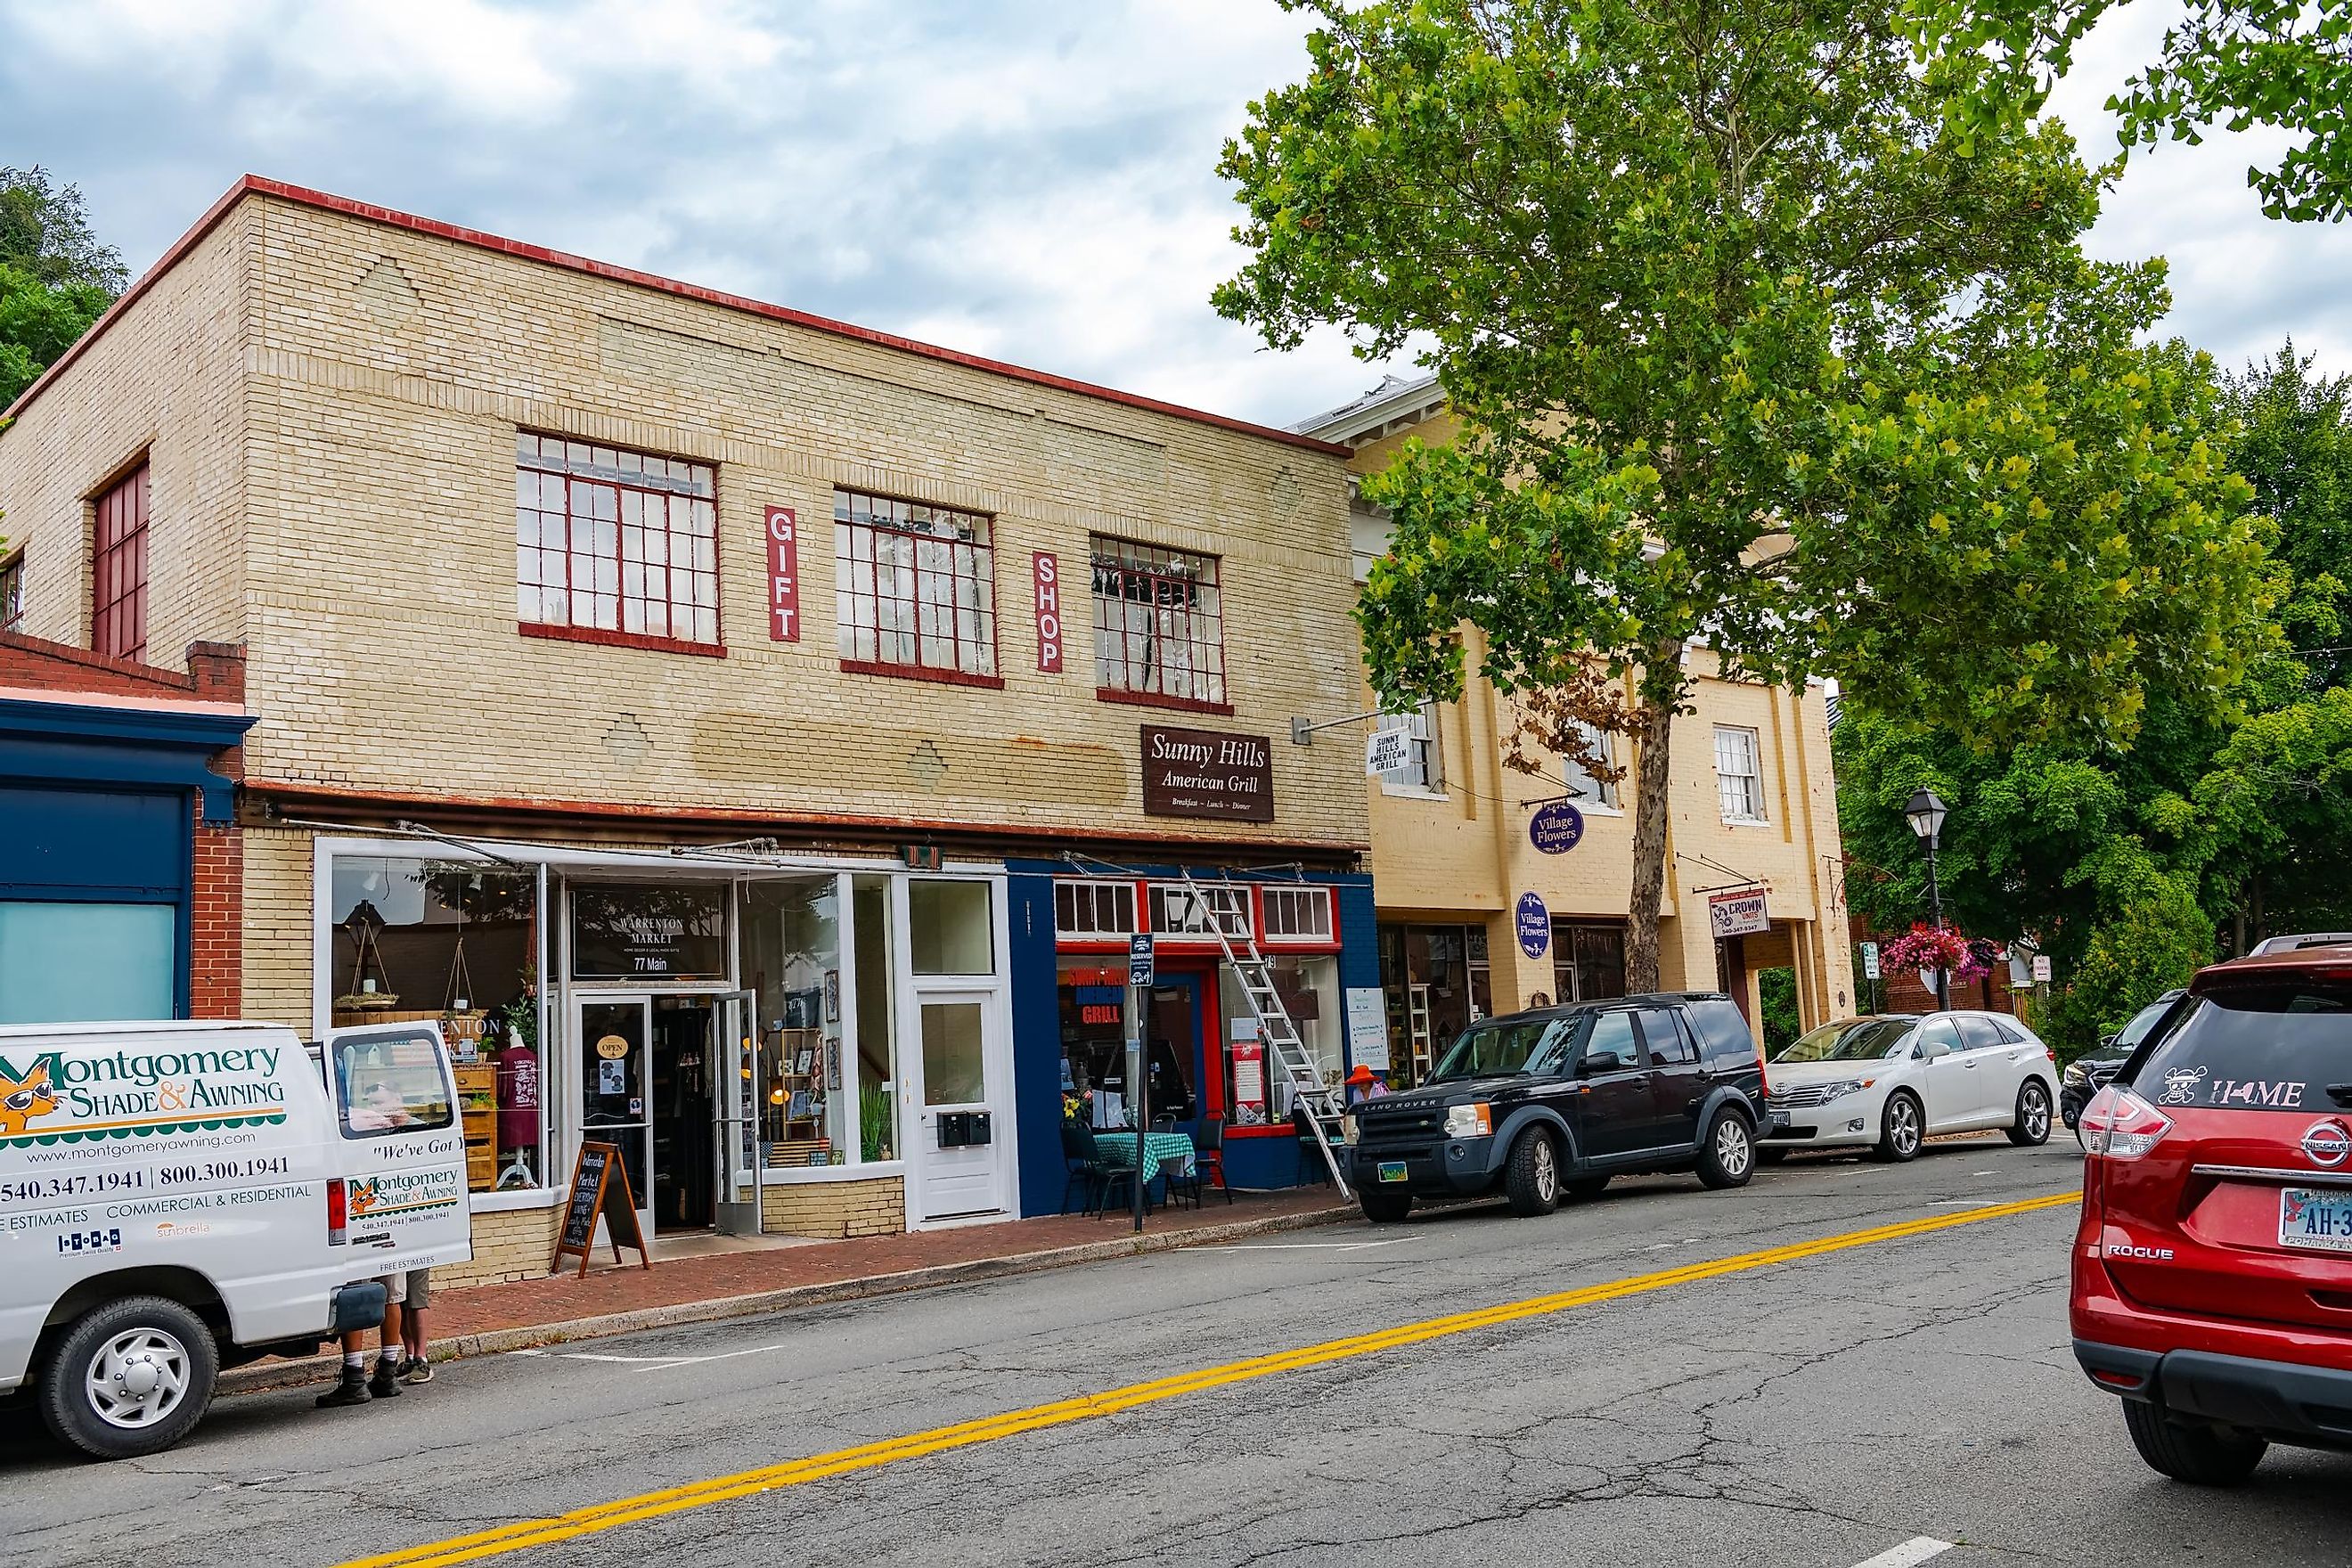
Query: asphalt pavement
column 1597, row 1386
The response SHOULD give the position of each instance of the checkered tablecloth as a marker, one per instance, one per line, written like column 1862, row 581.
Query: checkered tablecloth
column 1171, row 1151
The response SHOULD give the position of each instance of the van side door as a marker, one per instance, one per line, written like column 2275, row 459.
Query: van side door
column 403, row 1147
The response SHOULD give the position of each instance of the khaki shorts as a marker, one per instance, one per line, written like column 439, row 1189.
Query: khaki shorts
column 413, row 1289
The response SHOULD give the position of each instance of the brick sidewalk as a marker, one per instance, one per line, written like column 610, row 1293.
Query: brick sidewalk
column 485, row 1319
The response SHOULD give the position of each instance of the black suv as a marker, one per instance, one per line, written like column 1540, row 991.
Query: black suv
column 1565, row 1098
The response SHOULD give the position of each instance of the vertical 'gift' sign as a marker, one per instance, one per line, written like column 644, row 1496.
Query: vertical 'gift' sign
column 1048, row 572
column 784, row 575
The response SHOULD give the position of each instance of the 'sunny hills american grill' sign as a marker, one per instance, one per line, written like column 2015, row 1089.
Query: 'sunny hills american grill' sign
column 1207, row 773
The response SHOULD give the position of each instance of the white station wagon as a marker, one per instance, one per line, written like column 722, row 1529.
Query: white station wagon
column 1887, row 1083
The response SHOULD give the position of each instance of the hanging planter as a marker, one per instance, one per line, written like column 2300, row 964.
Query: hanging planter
column 1932, row 949
column 1929, row 978
column 370, row 993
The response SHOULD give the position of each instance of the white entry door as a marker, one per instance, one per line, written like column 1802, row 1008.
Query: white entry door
column 962, row 1106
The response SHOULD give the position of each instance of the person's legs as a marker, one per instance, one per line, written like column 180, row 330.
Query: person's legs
column 414, row 1368
column 385, row 1384
column 351, row 1385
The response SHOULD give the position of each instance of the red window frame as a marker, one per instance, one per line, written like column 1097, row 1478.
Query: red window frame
column 12, row 591
column 915, row 589
column 633, row 535
column 117, row 570
column 1180, row 593
column 1203, row 943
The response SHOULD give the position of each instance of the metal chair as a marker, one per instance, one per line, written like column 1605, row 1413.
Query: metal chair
column 1209, row 1158
column 1310, row 1136
column 1082, row 1169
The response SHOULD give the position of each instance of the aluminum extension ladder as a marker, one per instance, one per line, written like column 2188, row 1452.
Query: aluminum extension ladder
column 1275, row 1027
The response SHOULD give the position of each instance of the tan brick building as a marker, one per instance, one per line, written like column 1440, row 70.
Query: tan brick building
column 637, row 670
column 1456, row 860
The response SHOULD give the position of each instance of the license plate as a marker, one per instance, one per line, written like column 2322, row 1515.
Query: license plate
column 1394, row 1171
column 2319, row 1220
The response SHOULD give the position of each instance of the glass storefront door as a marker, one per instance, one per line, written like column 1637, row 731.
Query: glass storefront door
column 613, row 1036
column 734, row 1088
column 956, row 1128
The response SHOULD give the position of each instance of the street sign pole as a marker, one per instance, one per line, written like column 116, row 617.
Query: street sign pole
column 1139, row 974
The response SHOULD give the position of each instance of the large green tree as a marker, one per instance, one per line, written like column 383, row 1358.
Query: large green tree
column 2130, row 865
column 1763, row 372
column 2281, row 65
column 55, row 279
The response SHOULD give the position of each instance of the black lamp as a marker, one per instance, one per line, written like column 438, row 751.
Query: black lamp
column 1926, row 813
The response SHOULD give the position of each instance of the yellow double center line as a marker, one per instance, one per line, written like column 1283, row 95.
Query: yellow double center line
column 1087, row 1406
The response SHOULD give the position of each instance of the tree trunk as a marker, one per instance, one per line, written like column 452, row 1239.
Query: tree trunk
column 1653, row 775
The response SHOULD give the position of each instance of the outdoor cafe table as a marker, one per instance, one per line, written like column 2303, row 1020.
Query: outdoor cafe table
column 1172, row 1152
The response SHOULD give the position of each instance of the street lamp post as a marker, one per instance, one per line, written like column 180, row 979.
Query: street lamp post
column 1926, row 812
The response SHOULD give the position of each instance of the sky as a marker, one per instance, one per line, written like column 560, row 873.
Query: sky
column 1031, row 180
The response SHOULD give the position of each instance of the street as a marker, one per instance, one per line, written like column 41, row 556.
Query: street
column 1824, row 1410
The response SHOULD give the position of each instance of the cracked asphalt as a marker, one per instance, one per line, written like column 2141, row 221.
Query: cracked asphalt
column 1818, row 1412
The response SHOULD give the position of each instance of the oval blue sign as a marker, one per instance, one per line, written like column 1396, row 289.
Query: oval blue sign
column 1535, row 926
column 1555, row 828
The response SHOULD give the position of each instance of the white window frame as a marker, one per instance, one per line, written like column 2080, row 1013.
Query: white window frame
column 1426, row 780
column 1234, row 914
column 1599, row 795
column 1086, row 897
column 1745, row 737
column 1304, row 899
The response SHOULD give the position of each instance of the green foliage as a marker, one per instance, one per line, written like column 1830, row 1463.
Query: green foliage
column 1756, row 352
column 2155, row 940
column 2284, row 65
column 1777, row 987
column 55, row 277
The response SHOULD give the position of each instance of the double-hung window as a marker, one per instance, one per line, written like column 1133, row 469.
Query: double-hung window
column 12, row 592
column 118, row 571
column 1588, row 790
column 1738, row 774
column 915, row 588
column 1160, row 623
column 614, row 541
column 1424, row 771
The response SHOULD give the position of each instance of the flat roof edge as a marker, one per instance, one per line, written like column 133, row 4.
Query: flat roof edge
column 257, row 185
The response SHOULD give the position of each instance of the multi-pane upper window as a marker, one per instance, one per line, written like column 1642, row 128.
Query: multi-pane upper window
column 1086, row 909
column 1738, row 774
column 1424, row 771
column 915, row 587
column 1587, row 789
column 1297, row 914
column 12, row 592
column 613, row 541
column 1177, row 911
column 118, row 574
column 1160, row 621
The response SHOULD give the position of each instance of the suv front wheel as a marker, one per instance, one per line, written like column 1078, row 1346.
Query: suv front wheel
column 2191, row 1451
column 1727, row 1157
column 1532, row 1178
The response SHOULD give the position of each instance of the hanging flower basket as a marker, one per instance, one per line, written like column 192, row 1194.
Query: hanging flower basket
column 1928, row 949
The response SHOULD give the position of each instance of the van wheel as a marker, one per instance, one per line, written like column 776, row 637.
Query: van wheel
column 2189, row 1450
column 1727, row 1157
column 1900, row 1129
column 1532, row 1179
column 2032, row 1128
column 1384, row 1208
column 131, row 1377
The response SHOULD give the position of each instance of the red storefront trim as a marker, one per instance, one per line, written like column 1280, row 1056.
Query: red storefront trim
column 1154, row 699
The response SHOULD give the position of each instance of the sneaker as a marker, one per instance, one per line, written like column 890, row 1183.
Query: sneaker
column 418, row 1370
column 351, row 1388
column 385, row 1384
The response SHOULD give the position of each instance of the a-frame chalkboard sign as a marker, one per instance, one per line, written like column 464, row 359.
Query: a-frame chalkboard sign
column 600, row 1185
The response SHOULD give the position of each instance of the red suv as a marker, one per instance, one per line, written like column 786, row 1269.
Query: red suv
column 2213, row 1267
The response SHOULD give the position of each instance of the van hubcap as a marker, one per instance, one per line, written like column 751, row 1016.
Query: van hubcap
column 137, row 1378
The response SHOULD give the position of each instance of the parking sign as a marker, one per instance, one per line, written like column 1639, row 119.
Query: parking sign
column 1140, row 955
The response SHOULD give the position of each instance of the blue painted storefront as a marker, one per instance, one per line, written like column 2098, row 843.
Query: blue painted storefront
column 1251, row 1160
column 98, row 807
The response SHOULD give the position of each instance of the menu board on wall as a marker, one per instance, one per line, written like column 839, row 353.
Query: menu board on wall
column 1207, row 773
column 628, row 932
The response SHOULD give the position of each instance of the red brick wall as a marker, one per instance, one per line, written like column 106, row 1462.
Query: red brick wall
column 1899, row 991
column 216, row 939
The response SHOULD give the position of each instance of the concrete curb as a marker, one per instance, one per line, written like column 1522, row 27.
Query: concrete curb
column 261, row 1375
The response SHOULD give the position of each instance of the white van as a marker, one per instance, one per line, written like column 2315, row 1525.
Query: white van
column 175, row 1197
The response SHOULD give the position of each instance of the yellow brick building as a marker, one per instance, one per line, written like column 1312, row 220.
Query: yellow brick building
column 1454, row 853
column 639, row 669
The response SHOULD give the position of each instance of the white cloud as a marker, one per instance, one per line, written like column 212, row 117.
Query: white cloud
column 1033, row 179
